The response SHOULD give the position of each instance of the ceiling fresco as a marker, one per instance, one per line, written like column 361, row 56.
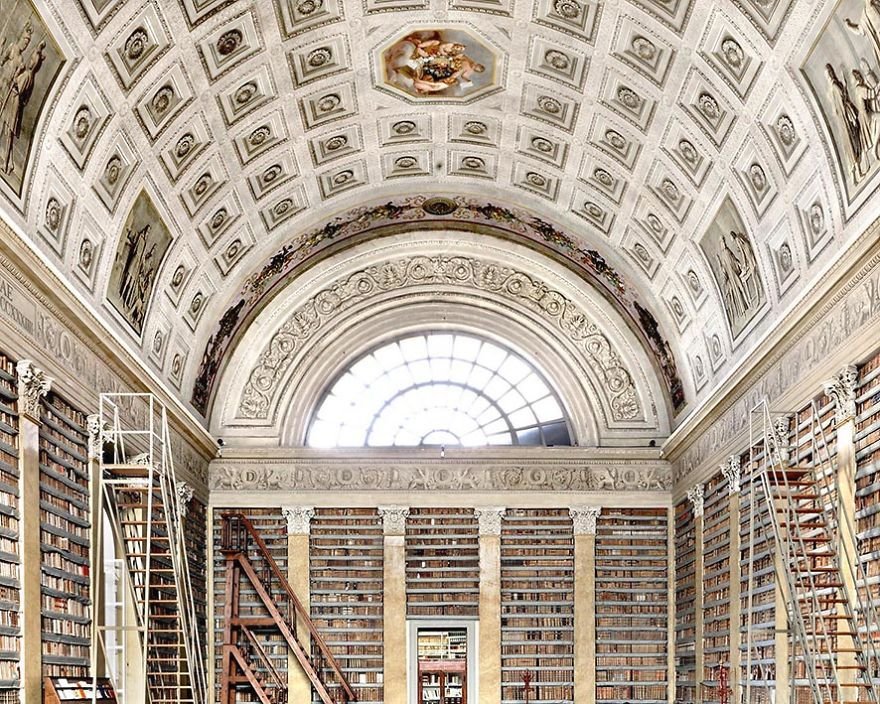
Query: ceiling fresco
column 700, row 163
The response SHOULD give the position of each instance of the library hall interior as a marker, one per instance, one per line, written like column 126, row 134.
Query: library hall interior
column 440, row 351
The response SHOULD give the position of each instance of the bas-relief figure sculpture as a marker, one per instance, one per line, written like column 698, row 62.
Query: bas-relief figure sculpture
column 732, row 259
column 142, row 246
column 843, row 71
column 30, row 61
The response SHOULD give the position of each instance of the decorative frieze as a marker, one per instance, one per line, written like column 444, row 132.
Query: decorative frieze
column 732, row 472
column 490, row 519
column 695, row 496
column 299, row 519
column 842, row 390
column 394, row 519
column 33, row 384
column 584, row 519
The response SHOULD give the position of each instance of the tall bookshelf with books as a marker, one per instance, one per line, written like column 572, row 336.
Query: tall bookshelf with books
column 685, row 602
column 346, row 557
column 64, row 539
column 757, row 581
column 10, row 535
column 272, row 528
column 196, row 539
column 867, row 449
column 442, row 562
column 632, row 606
column 716, row 585
column 537, row 605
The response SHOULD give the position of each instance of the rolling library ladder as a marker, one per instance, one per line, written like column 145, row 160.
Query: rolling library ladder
column 831, row 622
column 140, row 494
column 269, row 608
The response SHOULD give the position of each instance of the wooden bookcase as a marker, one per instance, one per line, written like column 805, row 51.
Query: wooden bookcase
column 64, row 539
column 716, row 585
column 867, row 448
column 272, row 527
column 442, row 562
column 442, row 682
column 196, row 539
column 537, row 605
column 632, row 606
column 57, row 690
column 10, row 535
column 346, row 557
column 685, row 603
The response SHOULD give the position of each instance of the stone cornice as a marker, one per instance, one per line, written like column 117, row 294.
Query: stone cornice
column 487, row 471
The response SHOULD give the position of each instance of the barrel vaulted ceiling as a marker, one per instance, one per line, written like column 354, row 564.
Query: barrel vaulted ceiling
column 702, row 162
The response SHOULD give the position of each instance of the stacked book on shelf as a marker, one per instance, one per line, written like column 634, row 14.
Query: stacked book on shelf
column 867, row 448
column 272, row 528
column 716, row 586
column 757, row 580
column 346, row 558
column 10, row 553
column 685, row 602
column 64, row 539
column 537, row 605
column 632, row 606
column 195, row 536
column 442, row 562
column 66, row 689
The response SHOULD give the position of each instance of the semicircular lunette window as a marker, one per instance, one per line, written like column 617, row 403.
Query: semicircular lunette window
column 440, row 389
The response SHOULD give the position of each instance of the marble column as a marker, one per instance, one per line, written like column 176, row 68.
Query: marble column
column 842, row 390
column 394, row 603
column 490, row 604
column 33, row 385
column 695, row 495
column 584, row 519
column 298, row 529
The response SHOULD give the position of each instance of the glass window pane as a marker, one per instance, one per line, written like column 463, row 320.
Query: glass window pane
column 440, row 346
column 466, row 347
column 513, row 369
column 511, row 401
column 522, row 418
column 367, row 369
column 491, row 356
column 533, row 388
column 414, row 348
column 389, row 356
column 547, row 409
column 479, row 377
column 556, row 434
column 459, row 371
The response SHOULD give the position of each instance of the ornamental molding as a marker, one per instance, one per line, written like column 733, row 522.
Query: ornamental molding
column 696, row 497
column 845, row 322
column 394, row 519
column 842, row 390
column 732, row 472
column 33, row 384
column 299, row 519
column 584, row 519
column 334, row 475
column 490, row 519
column 319, row 311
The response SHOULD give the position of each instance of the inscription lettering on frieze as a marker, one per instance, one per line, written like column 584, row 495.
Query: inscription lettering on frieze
column 17, row 306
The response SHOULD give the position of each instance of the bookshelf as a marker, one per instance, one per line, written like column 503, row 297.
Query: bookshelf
column 10, row 536
column 272, row 527
column 346, row 556
column 716, row 585
column 64, row 539
column 195, row 527
column 632, row 606
column 537, row 605
column 442, row 562
column 685, row 602
column 65, row 689
column 757, row 583
column 443, row 665
column 867, row 450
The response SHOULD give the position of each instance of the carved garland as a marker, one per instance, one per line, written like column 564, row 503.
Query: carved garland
column 264, row 381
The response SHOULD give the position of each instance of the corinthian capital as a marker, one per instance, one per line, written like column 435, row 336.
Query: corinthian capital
column 732, row 472
column 490, row 519
column 695, row 495
column 33, row 384
column 394, row 519
column 299, row 519
column 584, row 519
column 842, row 390
column 99, row 433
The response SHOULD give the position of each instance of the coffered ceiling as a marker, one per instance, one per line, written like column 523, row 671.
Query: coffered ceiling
column 694, row 160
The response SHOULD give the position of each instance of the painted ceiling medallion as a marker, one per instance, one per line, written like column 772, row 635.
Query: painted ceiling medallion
column 439, row 65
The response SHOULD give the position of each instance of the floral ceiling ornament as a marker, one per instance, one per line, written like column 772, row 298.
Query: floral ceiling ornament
column 463, row 213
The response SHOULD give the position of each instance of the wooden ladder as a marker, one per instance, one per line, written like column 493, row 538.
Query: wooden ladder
column 245, row 663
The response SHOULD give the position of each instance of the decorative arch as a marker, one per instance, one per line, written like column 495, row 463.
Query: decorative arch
column 375, row 292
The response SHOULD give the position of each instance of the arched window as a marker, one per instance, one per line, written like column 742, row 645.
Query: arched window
column 440, row 389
